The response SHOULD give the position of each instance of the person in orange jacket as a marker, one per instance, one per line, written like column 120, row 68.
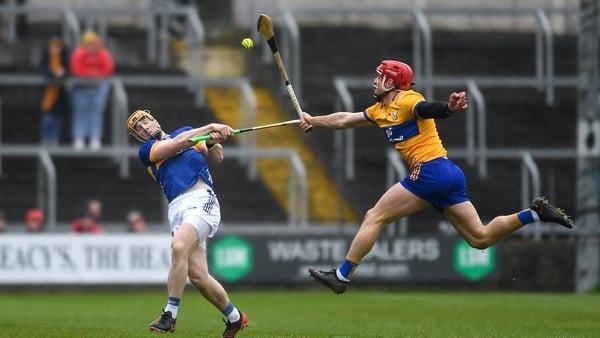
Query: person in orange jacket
column 92, row 63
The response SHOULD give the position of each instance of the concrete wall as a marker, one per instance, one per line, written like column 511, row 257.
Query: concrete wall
column 122, row 19
column 245, row 12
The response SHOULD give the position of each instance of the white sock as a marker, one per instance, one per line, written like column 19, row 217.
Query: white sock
column 340, row 277
column 234, row 316
column 173, row 309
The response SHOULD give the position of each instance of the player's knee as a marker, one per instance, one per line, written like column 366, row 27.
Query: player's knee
column 178, row 250
column 479, row 243
column 374, row 218
column 478, row 237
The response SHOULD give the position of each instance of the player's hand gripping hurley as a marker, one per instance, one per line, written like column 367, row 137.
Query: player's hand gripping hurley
column 265, row 28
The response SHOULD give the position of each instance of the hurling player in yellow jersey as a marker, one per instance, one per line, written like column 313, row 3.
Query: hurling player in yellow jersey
column 407, row 120
column 180, row 167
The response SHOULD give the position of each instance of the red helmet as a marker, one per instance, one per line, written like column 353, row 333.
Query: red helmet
column 399, row 72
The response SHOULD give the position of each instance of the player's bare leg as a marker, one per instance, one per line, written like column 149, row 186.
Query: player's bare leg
column 465, row 219
column 214, row 292
column 206, row 284
column 467, row 222
column 396, row 202
column 184, row 241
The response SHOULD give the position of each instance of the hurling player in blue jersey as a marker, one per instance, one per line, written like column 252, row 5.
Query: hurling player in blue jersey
column 180, row 166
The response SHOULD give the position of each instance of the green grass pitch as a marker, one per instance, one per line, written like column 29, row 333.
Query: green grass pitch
column 309, row 313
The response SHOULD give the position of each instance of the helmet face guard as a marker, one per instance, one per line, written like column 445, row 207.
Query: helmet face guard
column 132, row 121
column 400, row 73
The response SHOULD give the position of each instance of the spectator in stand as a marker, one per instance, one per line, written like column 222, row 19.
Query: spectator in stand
column 2, row 221
column 90, row 221
column 86, row 224
column 53, row 65
column 92, row 61
column 34, row 221
column 136, row 222
column 94, row 208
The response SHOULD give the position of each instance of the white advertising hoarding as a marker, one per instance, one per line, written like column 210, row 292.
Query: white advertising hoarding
column 84, row 259
column 138, row 259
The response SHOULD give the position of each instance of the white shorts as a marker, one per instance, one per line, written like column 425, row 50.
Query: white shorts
column 199, row 208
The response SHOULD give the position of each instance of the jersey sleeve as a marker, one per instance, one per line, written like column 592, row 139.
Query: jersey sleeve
column 410, row 99
column 144, row 152
column 366, row 116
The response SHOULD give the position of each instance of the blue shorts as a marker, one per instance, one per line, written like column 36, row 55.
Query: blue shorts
column 440, row 182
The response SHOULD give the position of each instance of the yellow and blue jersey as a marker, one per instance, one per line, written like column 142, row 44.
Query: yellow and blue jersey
column 416, row 139
column 179, row 172
column 432, row 177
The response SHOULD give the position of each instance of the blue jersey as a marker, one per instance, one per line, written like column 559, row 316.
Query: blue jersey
column 176, row 173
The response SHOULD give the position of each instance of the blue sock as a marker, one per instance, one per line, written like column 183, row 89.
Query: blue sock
column 528, row 216
column 346, row 270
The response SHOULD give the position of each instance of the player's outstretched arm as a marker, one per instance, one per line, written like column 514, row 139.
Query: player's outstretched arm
column 441, row 110
column 166, row 148
column 339, row 120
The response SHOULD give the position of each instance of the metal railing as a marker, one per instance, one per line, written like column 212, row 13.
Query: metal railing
column 119, row 108
column 475, row 142
column 298, row 186
column 476, row 96
column 120, row 111
column 395, row 171
column 157, row 29
column 0, row 133
column 422, row 50
column 423, row 58
column 47, row 187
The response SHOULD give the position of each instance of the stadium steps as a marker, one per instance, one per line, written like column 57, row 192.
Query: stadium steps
column 323, row 193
